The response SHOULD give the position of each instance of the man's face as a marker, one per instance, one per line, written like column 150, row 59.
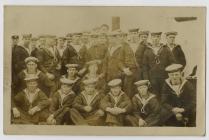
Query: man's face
column 90, row 88
column 26, row 41
column 102, row 39
column 115, row 90
column 104, row 29
column 15, row 41
column 143, row 38
column 42, row 41
column 66, row 88
column 85, row 39
column 93, row 68
column 134, row 37
column 175, row 77
column 31, row 66
column 72, row 72
column 31, row 85
column 61, row 42
column 49, row 42
column 94, row 39
column 33, row 43
column 76, row 39
column 156, row 39
column 142, row 90
column 171, row 39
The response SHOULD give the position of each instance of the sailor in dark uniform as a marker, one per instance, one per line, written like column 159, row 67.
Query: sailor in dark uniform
column 143, row 37
column 175, row 48
column 178, row 99
column 19, row 53
column 156, row 58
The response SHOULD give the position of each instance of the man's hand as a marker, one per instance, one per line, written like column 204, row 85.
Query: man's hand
column 100, row 112
column 179, row 117
column 50, row 76
column 87, row 108
column 16, row 113
column 120, row 110
column 142, row 122
column 127, row 71
column 33, row 110
column 50, row 120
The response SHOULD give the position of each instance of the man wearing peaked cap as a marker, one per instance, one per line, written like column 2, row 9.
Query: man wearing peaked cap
column 135, row 30
column 61, row 103
column 33, row 46
column 93, row 71
column 156, row 33
column 86, row 108
column 146, row 107
column 139, row 54
column 178, row 99
column 133, row 37
column 115, row 104
column 75, row 51
column 61, row 47
column 30, row 104
column 176, row 49
column 20, row 53
column 156, row 58
column 15, row 47
column 119, row 62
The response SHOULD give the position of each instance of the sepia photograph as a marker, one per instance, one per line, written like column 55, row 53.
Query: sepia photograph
column 104, row 70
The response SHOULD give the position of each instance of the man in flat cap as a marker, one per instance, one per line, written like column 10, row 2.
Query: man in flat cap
column 86, row 107
column 119, row 61
column 72, row 74
column 104, row 28
column 46, row 85
column 116, row 104
column 146, row 107
column 15, row 41
column 175, row 48
column 75, row 52
column 133, row 36
column 93, row 71
column 178, row 99
column 20, row 53
column 61, row 103
column 34, row 46
column 156, row 58
column 30, row 105
column 61, row 47
column 48, row 59
column 143, row 37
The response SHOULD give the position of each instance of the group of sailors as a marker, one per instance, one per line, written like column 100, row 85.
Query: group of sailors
column 101, row 78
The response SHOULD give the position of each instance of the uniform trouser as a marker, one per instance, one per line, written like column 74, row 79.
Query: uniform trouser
column 63, row 117
column 115, row 120
column 128, row 86
column 25, row 118
column 79, row 119
column 131, row 120
column 157, row 84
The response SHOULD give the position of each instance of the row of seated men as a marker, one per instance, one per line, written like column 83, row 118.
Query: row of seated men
column 91, row 101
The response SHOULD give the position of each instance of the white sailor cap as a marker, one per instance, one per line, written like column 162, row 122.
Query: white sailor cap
column 114, row 82
column 173, row 68
column 64, row 80
column 142, row 82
